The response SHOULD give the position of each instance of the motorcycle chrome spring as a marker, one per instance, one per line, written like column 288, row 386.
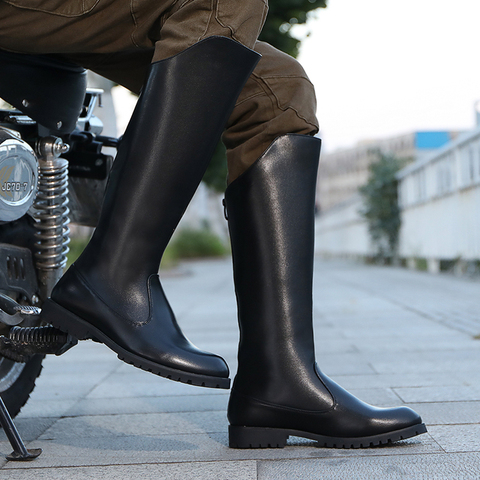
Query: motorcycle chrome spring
column 23, row 342
column 39, row 337
column 51, row 213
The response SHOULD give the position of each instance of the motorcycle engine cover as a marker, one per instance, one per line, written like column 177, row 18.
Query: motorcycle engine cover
column 18, row 176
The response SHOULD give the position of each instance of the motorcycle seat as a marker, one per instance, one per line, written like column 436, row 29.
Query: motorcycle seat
column 47, row 89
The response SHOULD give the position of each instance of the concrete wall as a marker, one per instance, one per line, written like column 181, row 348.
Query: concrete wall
column 342, row 231
column 444, row 228
column 440, row 200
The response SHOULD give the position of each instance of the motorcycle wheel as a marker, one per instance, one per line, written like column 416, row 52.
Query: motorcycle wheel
column 17, row 380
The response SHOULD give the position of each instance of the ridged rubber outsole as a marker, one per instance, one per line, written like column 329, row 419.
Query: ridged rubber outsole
column 256, row 437
column 70, row 323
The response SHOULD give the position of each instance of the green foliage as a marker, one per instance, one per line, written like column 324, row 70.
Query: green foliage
column 216, row 175
column 188, row 243
column 193, row 243
column 421, row 264
column 76, row 247
column 169, row 258
column 381, row 204
column 282, row 16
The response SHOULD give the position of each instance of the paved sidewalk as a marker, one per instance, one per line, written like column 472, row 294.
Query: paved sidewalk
column 391, row 336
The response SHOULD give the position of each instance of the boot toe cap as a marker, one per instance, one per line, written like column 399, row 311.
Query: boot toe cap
column 392, row 419
column 198, row 362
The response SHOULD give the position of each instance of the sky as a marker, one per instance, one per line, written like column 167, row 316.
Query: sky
column 383, row 68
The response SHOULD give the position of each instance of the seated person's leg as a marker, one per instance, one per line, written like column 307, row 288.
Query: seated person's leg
column 112, row 293
column 278, row 98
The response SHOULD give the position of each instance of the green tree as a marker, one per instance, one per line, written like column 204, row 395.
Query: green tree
column 381, row 210
column 282, row 16
column 216, row 175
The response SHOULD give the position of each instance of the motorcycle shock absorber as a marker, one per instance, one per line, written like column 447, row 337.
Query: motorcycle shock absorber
column 51, row 213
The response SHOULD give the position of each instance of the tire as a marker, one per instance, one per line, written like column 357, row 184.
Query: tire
column 17, row 380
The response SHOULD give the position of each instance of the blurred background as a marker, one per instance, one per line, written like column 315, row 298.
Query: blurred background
column 398, row 90
column 398, row 86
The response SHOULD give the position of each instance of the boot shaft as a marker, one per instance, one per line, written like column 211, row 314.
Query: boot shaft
column 271, row 221
column 165, row 151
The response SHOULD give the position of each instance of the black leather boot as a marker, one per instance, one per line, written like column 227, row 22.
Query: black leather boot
column 278, row 390
column 112, row 293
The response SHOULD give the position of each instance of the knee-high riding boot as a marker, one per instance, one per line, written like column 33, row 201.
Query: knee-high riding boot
column 278, row 389
column 112, row 293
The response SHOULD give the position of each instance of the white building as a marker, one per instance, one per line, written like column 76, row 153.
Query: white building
column 439, row 196
column 341, row 172
column 440, row 201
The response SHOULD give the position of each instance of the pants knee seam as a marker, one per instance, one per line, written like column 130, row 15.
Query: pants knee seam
column 277, row 101
column 301, row 77
column 317, row 127
column 249, row 98
column 217, row 18
column 266, row 89
column 135, row 24
column 209, row 21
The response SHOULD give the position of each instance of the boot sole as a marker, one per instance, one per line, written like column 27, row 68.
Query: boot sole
column 70, row 323
column 256, row 437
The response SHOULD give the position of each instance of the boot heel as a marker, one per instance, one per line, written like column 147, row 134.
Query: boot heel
column 64, row 320
column 256, row 437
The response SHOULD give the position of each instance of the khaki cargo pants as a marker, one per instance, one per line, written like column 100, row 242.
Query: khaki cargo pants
column 118, row 39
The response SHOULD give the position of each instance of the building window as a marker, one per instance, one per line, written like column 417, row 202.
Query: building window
column 478, row 161
column 471, row 164
column 419, row 186
column 444, row 176
column 467, row 166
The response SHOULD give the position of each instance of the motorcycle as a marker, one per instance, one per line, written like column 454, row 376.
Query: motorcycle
column 52, row 172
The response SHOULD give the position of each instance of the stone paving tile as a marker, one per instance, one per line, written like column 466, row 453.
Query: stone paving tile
column 344, row 364
column 333, row 345
column 129, row 381
column 5, row 449
column 404, row 332
column 401, row 344
column 52, row 408
column 121, row 450
column 66, row 386
column 457, row 438
column 387, row 335
column 393, row 380
column 380, row 397
column 451, row 361
column 224, row 311
column 153, row 424
column 412, row 467
column 87, row 355
column 181, row 403
column 442, row 298
column 30, row 428
column 439, row 394
column 233, row 470
column 448, row 413
column 214, row 335
column 139, row 449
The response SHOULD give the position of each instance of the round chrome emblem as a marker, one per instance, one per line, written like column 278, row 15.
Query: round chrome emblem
column 18, row 176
